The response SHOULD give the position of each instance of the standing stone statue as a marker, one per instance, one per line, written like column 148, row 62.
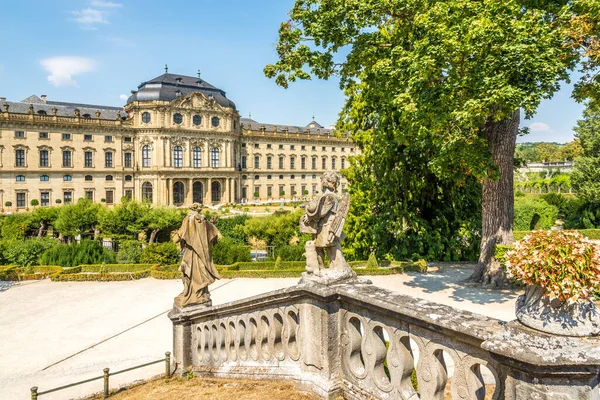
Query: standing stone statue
column 324, row 219
column 198, row 271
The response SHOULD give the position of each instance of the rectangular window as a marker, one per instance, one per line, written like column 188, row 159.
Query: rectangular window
column 89, row 194
column 333, row 163
column 292, row 162
column 128, row 160
column 333, row 149
column 197, row 157
column 269, row 162
column 303, row 148
column 281, row 190
column 44, row 135
column 66, row 156
column 66, row 136
column 292, row 147
column 19, row 134
column 256, row 162
column 109, row 197
column 87, row 138
column 88, row 159
column 129, row 193
column 324, row 148
column 67, row 197
column 256, row 146
column 214, row 158
column 343, row 149
column 20, row 200
column 44, row 199
column 304, row 192
column 293, row 190
column 19, row 158
column 108, row 159
column 314, row 163
column 303, row 163
column 269, row 191
column 280, row 162
column 127, row 139
column 280, row 147
column 314, row 148
column 44, row 162
column 343, row 163
column 108, row 138
column 269, row 146
column 324, row 163
column 243, row 162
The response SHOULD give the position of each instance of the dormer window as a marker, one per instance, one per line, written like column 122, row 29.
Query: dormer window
column 87, row 116
column 178, row 80
column 41, row 112
column 146, row 117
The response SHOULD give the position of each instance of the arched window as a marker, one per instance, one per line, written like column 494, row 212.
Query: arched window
column 20, row 178
column 178, row 193
column 67, row 178
column 197, row 155
column 215, row 192
column 214, row 157
column 42, row 112
column 177, row 118
column 146, row 156
column 147, row 191
column 177, row 157
column 128, row 178
column 146, row 117
column 44, row 178
column 197, row 192
column 88, row 178
column 108, row 177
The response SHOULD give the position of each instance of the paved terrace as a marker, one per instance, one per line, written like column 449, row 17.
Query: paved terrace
column 56, row 333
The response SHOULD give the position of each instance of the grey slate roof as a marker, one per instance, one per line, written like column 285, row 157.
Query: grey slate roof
column 63, row 109
column 168, row 87
column 254, row 125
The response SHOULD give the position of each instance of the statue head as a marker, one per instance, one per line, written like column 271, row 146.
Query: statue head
column 330, row 180
column 195, row 207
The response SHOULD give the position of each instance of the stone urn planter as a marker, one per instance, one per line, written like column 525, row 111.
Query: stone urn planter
column 537, row 311
column 561, row 270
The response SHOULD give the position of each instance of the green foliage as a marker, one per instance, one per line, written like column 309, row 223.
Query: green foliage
column 500, row 253
column 275, row 230
column 278, row 263
column 77, row 219
column 130, row 252
column 564, row 263
column 8, row 204
column 290, row 253
column 35, row 202
column 8, row 273
column 86, row 252
column 105, row 277
column 124, row 219
column 534, row 213
column 372, row 261
column 27, row 252
column 233, row 228
column 160, row 253
column 586, row 173
column 227, row 251
column 115, row 267
column 15, row 226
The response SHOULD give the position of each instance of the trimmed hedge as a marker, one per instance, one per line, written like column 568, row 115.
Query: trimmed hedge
column 116, row 267
column 14, row 273
column 8, row 273
column 592, row 234
column 109, row 277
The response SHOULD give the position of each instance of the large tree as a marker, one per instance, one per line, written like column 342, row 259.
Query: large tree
column 586, row 174
column 452, row 73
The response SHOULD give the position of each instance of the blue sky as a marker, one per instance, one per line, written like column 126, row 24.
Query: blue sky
column 97, row 51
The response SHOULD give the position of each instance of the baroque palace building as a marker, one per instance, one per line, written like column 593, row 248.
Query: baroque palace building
column 178, row 140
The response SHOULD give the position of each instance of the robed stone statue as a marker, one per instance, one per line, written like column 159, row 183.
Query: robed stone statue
column 195, row 237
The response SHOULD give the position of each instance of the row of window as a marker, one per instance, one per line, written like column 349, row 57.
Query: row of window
column 68, row 136
column 178, row 157
column 257, row 177
column 293, row 162
column 67, row 198
column 178, row 119
column 69, row 178
column 293, row 147
column 67, row 159
column 282, row 192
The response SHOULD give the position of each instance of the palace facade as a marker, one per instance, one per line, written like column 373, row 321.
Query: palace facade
column 178, row 140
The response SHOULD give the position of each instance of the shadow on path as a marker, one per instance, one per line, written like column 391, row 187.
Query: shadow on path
column 5, row 285
column 453, row 281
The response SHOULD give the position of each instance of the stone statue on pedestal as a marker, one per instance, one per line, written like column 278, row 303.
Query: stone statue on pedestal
column 195, row 237
column 324, row 219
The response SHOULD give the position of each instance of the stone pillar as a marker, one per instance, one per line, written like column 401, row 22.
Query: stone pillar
column 168, row 192
column 208, row 191
column 188, row 193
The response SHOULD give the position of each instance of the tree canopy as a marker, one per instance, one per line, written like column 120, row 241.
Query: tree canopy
column 586, row 174
column 433, row 92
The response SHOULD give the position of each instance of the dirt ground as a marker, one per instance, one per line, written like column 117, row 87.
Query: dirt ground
column 214, row 389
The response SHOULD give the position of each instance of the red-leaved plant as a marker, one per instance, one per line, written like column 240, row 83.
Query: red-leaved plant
column 565, row 263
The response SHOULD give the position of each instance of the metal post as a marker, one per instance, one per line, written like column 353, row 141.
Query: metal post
column 34, row 393
column 106, row 382
column 167, row 364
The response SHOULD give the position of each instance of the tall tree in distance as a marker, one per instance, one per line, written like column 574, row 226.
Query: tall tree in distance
column 586, row 172
column 453, row 73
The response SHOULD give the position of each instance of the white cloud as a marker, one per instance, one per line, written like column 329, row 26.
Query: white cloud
column 105, row 4
column 63, row 68
column 88, row 18
column 539, row 127
column 123, row 97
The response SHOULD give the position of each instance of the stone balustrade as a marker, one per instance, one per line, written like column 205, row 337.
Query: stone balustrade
column 364, row 342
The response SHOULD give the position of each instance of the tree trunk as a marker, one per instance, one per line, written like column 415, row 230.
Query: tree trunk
column 497, row 200
column 153, row 235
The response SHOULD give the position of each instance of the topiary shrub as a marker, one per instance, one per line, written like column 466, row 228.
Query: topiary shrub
column 34, row 203
column 533, row 213
column 372, row 261
column 8, row 204
column 278, row 263
column 130, row 252
column 86, row 252
column 563, row 263
column 160, row 253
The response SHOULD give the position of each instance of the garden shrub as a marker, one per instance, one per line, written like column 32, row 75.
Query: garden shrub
column 227, row 251
column 278, row 263
column 115, row 267
column 104, row 277
column 130, row 252
column 160, row 253
column 8, row 273
column 563, row 262
column 86, row 252
column 27, row 252
column 290, row 253
column 372, row 261
column 534, row 213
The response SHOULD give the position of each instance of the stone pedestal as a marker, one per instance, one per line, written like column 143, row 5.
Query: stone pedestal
column 332, row 277
column 182, row 335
